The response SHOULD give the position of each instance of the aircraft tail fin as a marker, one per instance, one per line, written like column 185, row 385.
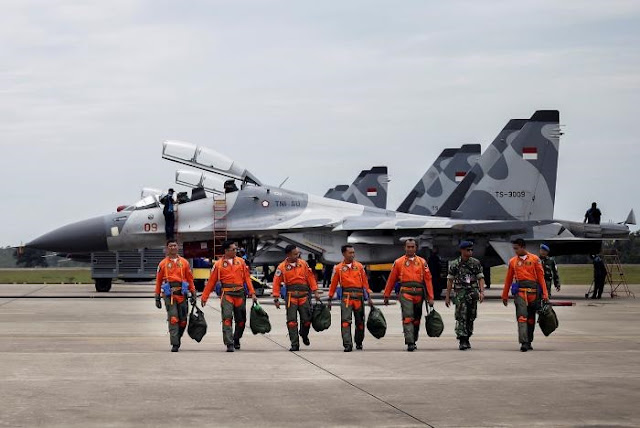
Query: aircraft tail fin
column 336, row 192
column 521, row 184
column 432, row 190
column 427, row 180
column 477, row 171
column 368, row 189
column 631, row 218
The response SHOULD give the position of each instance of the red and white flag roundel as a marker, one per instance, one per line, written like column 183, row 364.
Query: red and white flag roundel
column 460, row 176
column 530, row 153
column 372, row 191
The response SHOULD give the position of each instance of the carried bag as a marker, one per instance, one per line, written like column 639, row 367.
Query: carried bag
column 433, row 323
column 197, row 327
column 376, row 324
column 320, row 317
column 259, row 320
column 547, row 319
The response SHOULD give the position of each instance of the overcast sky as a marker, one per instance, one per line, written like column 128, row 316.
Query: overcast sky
column 314, row 90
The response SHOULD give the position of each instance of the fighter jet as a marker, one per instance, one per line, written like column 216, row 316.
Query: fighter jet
column 368, row 189
column 260, row 212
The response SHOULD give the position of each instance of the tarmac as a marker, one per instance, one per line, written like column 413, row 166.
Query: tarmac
column 76, row 358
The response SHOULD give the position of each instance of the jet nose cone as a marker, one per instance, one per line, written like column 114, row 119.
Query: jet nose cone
column 82, row 237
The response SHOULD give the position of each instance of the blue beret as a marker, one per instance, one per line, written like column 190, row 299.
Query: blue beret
column 545, row 247
column 465, row 244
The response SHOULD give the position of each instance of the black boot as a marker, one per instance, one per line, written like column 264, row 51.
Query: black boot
column 236, row 343
column 529, row 347
column 230, row 347
column 294, row 348
column 359, row 346
column 411, row 347
column 348, row 348
column 467, row 343
column 462, row 345
column 524, row 347
column 306, row 341
column 175, row 348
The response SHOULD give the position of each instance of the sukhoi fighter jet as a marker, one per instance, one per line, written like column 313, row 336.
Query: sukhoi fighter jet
column 259, row 212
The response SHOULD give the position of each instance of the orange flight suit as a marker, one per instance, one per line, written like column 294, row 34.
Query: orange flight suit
column 353, row 280
column 528, row 272
column 299, row 280
column 233, row 274
column 414, row 276
column 175, row 271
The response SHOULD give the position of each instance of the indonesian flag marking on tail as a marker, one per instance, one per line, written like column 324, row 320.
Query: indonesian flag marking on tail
column 372, row 191
column 530, row 153
column 460, row 176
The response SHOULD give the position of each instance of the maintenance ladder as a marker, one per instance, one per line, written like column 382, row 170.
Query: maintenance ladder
column 219, row 224
column 615, row 275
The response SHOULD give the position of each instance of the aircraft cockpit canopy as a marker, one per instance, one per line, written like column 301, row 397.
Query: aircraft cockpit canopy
column 206, row 159
column 151, row 201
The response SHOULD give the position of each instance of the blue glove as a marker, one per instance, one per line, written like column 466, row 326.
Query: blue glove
column 365, row 294
column 515, row 287
column 283, row 292
column 339, row 293
column 166, row 288
column 218, row 288
column 185, row 288
column 396, row 288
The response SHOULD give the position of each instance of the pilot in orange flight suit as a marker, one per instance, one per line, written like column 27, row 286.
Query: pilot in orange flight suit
column 414, row 276
column 352, row 278
column 233, row 274
column 526, row 269
column 174, row 271
column 299, row 280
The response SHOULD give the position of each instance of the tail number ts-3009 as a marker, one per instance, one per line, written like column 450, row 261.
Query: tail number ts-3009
column 510, row 194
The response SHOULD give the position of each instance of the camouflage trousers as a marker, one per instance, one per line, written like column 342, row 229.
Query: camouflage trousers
column 411, row 299
column 297, row 306
column 352, row 306
column 233, row 306
column 527, row 304
column 549, row 287
column 177, row 318
column 466, row 302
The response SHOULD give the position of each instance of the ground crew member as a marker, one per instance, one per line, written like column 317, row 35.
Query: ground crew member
column 352, row 277
column 299, row 280
column 173, row 272
column 593, row 214
column 413, row 274
column 550, row 269
column 599, row 276
column 466, row 278
column 169, row 214
column 525, row 269
column 232, row 274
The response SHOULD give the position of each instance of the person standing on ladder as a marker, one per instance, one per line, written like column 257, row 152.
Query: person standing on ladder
column 232, row 274
column 174, row 281
column 169, row 214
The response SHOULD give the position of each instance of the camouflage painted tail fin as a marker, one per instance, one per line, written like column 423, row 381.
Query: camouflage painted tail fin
column 521, row 184
column 336, row 192
column 486, row 161
column 440, row 180
column 368, row 189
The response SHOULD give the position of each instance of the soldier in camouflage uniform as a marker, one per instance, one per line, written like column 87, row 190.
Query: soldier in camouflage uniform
column 550, row 269
column 466, row 278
